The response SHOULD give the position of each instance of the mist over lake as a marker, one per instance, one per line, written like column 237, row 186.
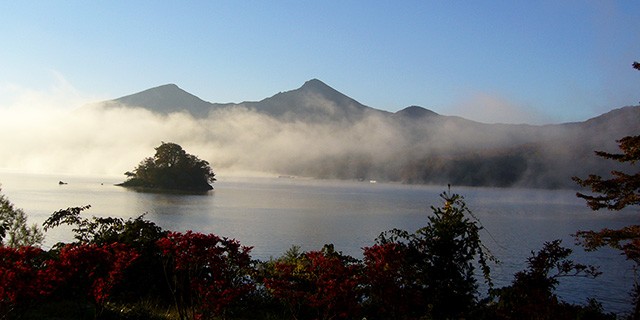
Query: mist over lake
column 272, row 214
column 312, row 131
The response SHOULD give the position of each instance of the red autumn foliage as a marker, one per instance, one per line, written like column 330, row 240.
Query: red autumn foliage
column 209, row 273
column 91, row 269
column 28, row 274
column 324, row 284
column 389, row 281
column 22, row 275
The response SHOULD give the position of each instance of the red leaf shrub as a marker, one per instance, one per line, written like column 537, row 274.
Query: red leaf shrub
column 209, row 273
column 92, row 269
column 389, row 281
column 317, row 282
column 22, row 275
column 26, row 274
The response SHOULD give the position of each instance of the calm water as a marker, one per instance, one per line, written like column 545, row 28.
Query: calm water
column 273, row 214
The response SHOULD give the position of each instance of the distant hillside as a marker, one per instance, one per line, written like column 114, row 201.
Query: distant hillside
column 413, row 145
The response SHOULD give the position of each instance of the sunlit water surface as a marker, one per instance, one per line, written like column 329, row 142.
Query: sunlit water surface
column 272, row 214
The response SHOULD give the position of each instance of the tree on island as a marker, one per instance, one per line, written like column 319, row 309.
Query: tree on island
column 171, row 169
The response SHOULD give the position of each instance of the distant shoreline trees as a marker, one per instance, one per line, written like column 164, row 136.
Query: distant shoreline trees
column 171, row 168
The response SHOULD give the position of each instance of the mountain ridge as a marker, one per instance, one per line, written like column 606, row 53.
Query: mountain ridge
column 413, row 145
column 169, row 98
column 313, row 101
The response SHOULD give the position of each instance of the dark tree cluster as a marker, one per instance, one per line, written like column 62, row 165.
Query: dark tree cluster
column 171, row 169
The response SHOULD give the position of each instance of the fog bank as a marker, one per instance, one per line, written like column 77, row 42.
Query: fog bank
column 96, row 140
column 64, row 135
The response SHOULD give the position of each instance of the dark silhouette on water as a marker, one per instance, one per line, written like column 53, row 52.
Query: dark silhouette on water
column 171, row 169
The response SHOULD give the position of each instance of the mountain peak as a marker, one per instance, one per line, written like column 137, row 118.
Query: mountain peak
column 416, row 112
column 317, row 86
column 166, row 99
column 165, row 89
column 167, row 86
column 314, row 101
column 314, row 83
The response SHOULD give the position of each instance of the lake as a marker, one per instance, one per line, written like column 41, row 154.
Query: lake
column 272, row 214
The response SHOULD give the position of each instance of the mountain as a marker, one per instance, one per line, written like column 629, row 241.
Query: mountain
column 166, row 99
column 330, row 135
column 415, row 112
column 313, row 102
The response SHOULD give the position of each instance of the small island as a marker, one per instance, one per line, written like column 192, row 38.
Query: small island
column 171, row 169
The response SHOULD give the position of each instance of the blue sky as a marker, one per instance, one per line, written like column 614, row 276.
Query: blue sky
column 492, row 61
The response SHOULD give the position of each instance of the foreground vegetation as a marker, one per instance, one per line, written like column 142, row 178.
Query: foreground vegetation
column 132, row 269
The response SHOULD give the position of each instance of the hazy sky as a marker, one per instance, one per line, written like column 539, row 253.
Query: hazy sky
column 492, row 61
